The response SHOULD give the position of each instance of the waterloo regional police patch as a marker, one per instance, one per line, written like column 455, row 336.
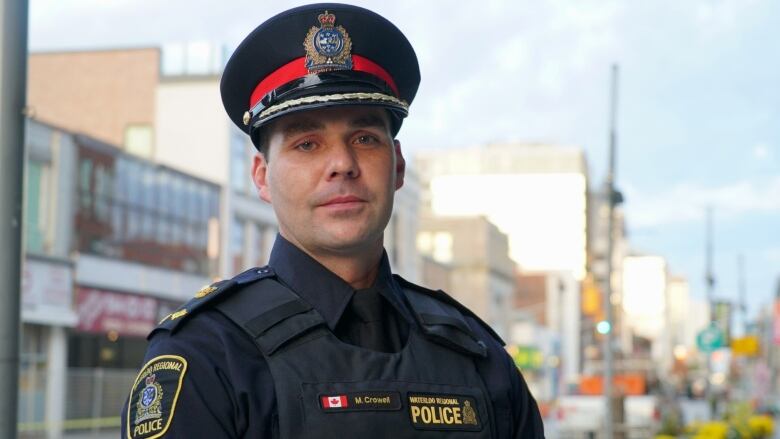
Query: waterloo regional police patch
column 153, row 397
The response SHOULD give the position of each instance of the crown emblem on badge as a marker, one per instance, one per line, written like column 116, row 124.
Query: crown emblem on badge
column 326, row 19
column 328, row 47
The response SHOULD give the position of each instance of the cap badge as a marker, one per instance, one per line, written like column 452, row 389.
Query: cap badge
column 328, row 47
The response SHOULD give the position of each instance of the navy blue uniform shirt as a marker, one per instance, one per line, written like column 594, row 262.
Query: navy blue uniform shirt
column 228, row 390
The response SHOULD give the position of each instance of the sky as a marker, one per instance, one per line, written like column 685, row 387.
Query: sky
column 698, row 115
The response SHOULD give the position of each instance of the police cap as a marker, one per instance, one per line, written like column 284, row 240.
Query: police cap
column 315, row 56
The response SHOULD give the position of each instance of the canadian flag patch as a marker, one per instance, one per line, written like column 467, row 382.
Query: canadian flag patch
column 334, row 402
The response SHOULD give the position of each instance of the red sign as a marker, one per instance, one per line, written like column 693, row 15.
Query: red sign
column 626, row 384
column 103, row 311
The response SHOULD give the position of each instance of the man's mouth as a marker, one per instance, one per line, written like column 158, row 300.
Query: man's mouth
column 343, row 199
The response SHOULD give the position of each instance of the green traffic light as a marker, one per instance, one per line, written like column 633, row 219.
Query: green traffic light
column 603, row 327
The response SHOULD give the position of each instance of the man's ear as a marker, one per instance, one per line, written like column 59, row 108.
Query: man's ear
column 400, row 165
column 260, row 176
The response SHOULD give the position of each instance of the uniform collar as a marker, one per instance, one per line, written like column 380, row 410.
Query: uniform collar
column 323, row 289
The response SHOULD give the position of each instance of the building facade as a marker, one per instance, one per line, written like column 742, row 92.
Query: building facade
column 537, row 195
column 481, row 274
column 108, row 94
column 113, row 243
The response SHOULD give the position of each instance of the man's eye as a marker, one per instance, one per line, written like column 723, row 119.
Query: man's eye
column 305, row 146
column 367, row 139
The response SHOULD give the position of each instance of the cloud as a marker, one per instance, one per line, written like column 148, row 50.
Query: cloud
column 687, row 202
column 761, row 151
column 772, row 255
column 525, row 71
column 716, row 17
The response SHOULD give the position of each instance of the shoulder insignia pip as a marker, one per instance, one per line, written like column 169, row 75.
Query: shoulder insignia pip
column 153, row 397
column 446, row 298
column 209, row 295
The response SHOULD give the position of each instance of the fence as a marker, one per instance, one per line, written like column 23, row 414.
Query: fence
column 92, row 404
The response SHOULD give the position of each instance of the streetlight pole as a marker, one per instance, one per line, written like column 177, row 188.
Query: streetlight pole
column 612, row 200
column 709, row 279
column 13, row 73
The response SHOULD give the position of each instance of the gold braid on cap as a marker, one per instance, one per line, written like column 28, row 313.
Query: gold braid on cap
column 334, row 98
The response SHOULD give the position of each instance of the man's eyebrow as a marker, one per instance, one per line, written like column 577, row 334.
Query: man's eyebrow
column 368, row 121
column 300, row 126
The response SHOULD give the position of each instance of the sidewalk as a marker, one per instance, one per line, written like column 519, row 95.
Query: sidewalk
column 104, row 434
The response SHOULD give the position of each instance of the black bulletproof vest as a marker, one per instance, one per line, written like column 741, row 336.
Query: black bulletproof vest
column 326, row 388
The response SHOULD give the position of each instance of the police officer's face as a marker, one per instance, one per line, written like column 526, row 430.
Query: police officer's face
column 330, row 175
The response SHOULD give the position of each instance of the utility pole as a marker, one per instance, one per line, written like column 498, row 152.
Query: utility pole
column 13, row 73
column 709, row 278
column 743, row 363
column 741, row 292
column 772, row 348
column 612, row 199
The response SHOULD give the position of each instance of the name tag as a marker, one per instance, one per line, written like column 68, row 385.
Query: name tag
column 360, row 401
column 443, row 412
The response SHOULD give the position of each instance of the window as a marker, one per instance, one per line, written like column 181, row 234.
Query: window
column 32, row 373
column 442, row 247
column 139, row 140
column 35, row 214
column 239, row 161
column 142, row 212
column 85, row 182
column 237, row 245
column 260, row 245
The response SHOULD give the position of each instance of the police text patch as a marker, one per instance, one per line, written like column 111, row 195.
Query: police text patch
column 443, row 412
column 153, row 397
column 360, row 401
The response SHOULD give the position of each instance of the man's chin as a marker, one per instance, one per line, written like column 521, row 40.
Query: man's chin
column 349, row 242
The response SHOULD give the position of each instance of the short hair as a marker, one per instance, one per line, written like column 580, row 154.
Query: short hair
column 260, row 140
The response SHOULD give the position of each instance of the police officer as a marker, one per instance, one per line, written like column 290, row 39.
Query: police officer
column 325, row 342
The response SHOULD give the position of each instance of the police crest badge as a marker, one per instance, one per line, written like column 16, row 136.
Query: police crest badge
column 153, row 397
column 148, row 405
column 328, row 47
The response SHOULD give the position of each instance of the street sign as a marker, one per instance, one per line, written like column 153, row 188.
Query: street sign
column 526, row 357
column 710, row 339
column 745, row 346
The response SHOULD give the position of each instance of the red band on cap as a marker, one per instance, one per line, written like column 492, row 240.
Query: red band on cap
column 297, row 69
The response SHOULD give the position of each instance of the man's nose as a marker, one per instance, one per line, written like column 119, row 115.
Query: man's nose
column 342, row 161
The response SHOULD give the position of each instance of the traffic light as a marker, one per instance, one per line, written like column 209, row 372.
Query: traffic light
column 603, row 327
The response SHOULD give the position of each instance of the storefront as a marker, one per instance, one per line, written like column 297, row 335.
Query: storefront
column 47, row 298
column 106, row 348
column 112, row 327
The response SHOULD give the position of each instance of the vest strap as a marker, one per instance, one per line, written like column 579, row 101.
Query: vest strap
column 444, row 324
column 282, row 317
column 260, row 324
column 288, row 330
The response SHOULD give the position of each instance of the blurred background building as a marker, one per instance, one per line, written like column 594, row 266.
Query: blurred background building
column 543, row 212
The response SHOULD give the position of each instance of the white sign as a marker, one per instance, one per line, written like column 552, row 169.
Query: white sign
column 47, row 293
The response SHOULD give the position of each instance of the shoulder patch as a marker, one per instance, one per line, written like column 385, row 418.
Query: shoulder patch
column 153, row 397
column 209, row 295
column 446, row 298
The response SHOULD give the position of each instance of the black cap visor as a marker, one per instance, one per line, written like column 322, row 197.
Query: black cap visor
column 327, row 89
